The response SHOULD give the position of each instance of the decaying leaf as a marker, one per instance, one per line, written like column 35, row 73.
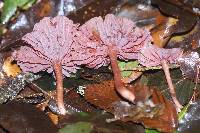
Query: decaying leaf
column 80, row 127
column 141, row 12
column 10, row 68
column 25, row 22
column 95, row 8
column 163, row 117
column 159, row 113
column 23, row 117
column 184, row 87
column 163, row 32
column 97, row 121
column 186, row 18
column 96, row 75
column 46, row 100
column 53, row 117
column 166, row 122
column 11, row 86
column 101, row 95
column 188, row 41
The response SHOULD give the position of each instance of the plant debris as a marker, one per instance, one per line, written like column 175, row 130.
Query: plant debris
column 21, row 117
column 150, row 113
column 112, row 62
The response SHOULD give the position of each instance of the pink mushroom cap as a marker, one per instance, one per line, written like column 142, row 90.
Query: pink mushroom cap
column 98, row 34
column 49, row 42
column 151, row 55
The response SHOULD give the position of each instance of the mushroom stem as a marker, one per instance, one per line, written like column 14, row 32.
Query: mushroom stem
column 170, row 84
column 59, row 86
column 119, row 85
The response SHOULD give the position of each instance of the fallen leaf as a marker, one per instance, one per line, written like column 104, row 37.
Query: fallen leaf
column 102, row 95
column 53, row 117
column 186, row 18
column 163, row 32
column 79, row 127
column 99, row 124
column 11, row 86
column 10, row 68
column 21, row 117
column 187, row 41
column 10, row 7
column 166, row 122
column 159, row 113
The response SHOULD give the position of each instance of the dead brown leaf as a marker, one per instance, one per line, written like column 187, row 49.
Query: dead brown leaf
column 151, row 108
column 10, row 68
column 166, row 122
column 102, row 95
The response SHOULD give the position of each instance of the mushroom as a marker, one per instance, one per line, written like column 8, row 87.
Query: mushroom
column 49, row 49
column 151, row 56
column 100, row 42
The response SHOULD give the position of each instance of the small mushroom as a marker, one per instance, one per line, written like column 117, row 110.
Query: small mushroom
column 49, row 49
column 100, row 42
column 151, row 56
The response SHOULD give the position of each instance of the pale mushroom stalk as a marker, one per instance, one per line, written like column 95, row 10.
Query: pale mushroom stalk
column 153, row 56
column 119, row 85
column 170, row 84
column 59, row 86
column 49, row 49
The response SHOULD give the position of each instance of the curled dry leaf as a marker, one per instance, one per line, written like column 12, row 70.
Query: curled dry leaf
column 163, row 32
column 157, row 112
column 167, row 121
column 185, row 14
column 103, row 95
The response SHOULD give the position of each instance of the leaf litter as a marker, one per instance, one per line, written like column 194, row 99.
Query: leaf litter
column 149, row 103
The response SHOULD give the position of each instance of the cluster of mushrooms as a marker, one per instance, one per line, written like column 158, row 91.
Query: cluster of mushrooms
column 60, row 46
